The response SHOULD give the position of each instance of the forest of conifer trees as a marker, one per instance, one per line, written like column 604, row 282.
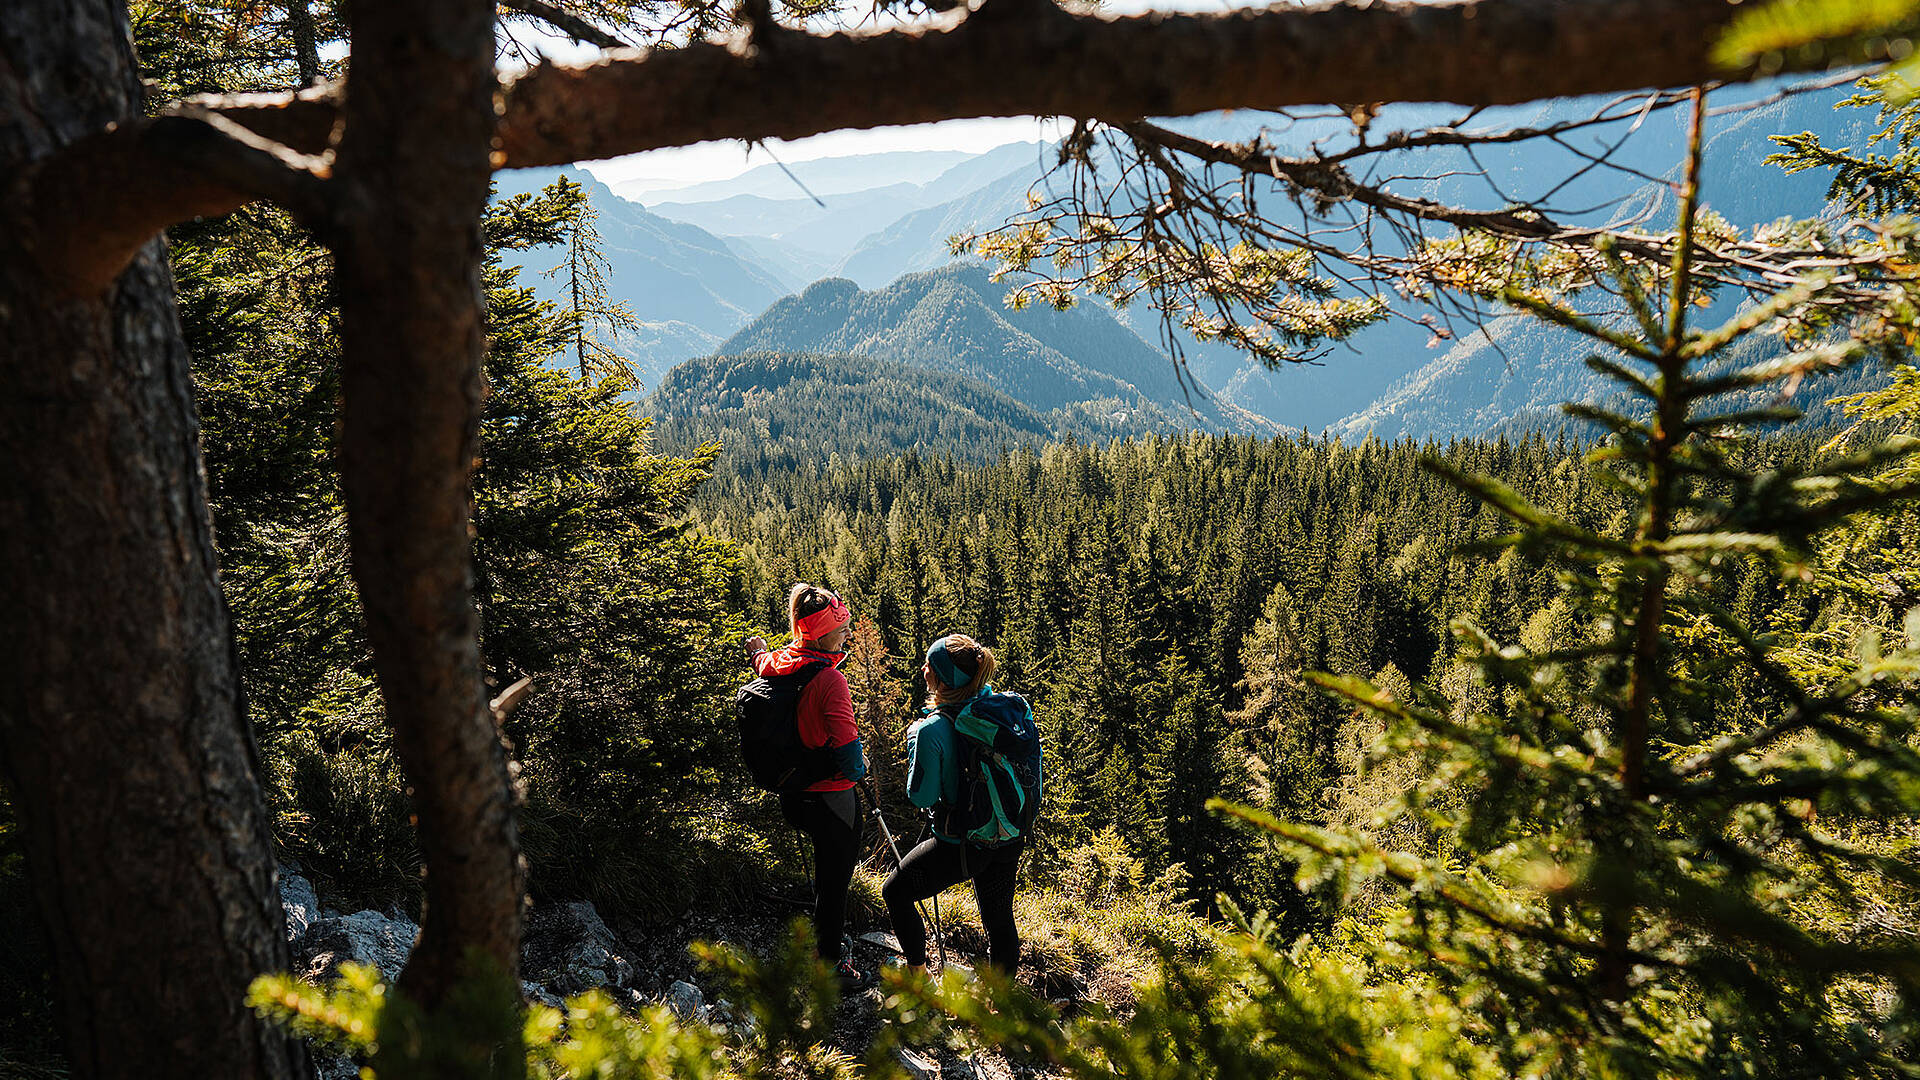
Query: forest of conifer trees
column 1161, row 600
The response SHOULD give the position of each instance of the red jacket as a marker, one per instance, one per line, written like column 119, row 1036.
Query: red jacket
column 826, row 706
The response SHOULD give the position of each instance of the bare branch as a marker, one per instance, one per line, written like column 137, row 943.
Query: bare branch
column 510, row 699
column 307, row 121
column 566, row 22
column 1326, row 178
column 90, row 207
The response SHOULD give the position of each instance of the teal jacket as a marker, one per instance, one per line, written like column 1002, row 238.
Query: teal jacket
column 933, row 765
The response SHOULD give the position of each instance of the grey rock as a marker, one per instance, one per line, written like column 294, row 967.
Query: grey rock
column 919, row 1066
column 981, row 1065
column 570, row 950
column 534, row 992
column 884, row 941
column 732, row 1019
column 687, row 1002
column 364, row 937
column 298, row 900
column 331, row 1066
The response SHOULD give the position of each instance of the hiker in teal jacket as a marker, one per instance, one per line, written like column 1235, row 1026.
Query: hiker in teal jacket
column 979, row 828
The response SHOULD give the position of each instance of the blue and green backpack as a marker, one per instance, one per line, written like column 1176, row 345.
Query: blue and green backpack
column 999, row 750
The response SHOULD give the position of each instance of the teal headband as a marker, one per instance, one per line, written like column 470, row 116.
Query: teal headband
column 946, row 665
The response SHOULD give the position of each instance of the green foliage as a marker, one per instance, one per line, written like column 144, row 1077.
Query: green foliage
column 1665, row 827
column 586, row 579
column 189, row 47
column 594, row 317
column 1080, row 366
column 1137, row 592
column 790, row 1001
column 1268, row 302
column 1837, row 31
column 778, row 413
column 363, row 1019
column 1255, row 1007
column 1865, row 181
column 791, row 998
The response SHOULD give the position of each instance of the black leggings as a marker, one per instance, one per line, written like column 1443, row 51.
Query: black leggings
column 832, row 820
column 934, row 866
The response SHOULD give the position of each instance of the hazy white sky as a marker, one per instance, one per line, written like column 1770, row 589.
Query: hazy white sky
column 665, row 169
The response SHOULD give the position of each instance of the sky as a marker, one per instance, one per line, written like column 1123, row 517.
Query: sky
column 663, row 170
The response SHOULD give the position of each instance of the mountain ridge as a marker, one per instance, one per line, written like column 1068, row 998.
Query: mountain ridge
column 951, row 320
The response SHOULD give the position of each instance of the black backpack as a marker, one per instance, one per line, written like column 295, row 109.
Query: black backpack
column 767, row 712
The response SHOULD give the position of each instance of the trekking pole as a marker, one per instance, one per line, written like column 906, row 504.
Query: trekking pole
column 873, row 796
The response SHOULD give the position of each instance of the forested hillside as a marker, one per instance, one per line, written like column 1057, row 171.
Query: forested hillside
column 953, row 320
column 774, row 413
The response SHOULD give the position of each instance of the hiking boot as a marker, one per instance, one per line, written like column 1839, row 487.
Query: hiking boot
column 852, row 980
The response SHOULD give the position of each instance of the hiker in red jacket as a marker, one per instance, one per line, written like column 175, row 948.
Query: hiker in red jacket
column 829, row 811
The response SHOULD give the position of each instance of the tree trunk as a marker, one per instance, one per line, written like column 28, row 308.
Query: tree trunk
column 414, row 160
column 132, row 772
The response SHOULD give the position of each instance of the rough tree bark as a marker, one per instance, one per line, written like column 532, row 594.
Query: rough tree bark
column 411, row 186
column 132, row 771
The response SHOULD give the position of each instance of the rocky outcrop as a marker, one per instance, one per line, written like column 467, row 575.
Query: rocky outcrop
column 299, row 901
column 365, row 937
column 322, row 940
column 687, row 1002
column 569, row 949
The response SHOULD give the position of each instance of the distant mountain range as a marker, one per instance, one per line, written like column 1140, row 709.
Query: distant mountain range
column 725, row 268
column 688, row 287
column 952, row 320
column 835, row 230
column 822, row 176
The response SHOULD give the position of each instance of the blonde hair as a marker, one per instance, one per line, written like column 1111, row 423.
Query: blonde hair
column 969, row 652
column 804, row 600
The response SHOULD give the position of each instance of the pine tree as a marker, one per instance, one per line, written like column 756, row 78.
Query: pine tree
column 593, row 319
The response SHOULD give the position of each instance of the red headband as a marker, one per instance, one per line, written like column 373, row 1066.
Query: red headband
column 823, row 622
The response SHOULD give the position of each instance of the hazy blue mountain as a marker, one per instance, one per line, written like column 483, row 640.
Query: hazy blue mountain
column 1398, row 377
column 822, row 176
column 830, row 225
column 918, row 241
column 953, row 320
column 1032, row 158
column 689, row 287
column 795, row 231
column 656, row 347
column 794, row 266
column 779, row 411
column 1519, row 368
